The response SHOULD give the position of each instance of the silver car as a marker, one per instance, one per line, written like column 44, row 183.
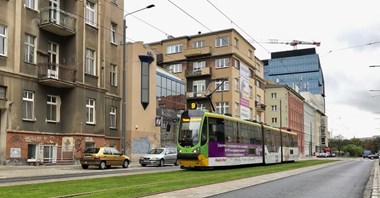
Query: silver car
column 159, row 157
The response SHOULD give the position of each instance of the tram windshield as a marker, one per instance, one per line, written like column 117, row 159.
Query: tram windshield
column 189, row 132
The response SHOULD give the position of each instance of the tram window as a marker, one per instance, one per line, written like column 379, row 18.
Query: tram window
column 216, row 129
column 204, row 132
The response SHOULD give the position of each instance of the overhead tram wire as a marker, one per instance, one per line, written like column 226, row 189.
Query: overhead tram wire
column 351, row 47
column 238, row 26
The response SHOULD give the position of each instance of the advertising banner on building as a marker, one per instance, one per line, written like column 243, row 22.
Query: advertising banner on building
column 244, row 92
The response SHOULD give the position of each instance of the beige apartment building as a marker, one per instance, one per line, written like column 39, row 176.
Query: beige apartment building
column 60, row 66
column 222, row 63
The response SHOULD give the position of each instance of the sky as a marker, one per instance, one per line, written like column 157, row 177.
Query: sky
column 349, row 32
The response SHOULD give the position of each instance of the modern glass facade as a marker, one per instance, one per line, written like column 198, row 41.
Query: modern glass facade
column 168, row 85
column 299, row 69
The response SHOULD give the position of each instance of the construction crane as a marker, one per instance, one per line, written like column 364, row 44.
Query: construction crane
column 294, row 43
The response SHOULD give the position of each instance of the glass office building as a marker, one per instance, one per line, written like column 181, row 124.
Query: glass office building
column 299, row 69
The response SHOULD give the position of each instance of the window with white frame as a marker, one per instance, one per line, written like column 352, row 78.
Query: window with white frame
column 201, row 107
column 32, row 152
column 91, row 13
column 236, row 84
column 221, row 62
column 174, row 49
column 197, row 66
column 50, row 153
column 113, row 117
column 29, row 48
column 236, row 42
column 225, row 86
column 258, row 117
column 274, row 120
column 90, row 62
column 3, row 40
column 53, row 108
column 258, row 98
column 198, row 44
column 90, row 111
column 113, row 33
column 28, row 105
column 199, row 86
column 274, row 95
column 222, row 107
column 113, row 75
column 236, row 63
column 32, row 4
column 274, row 107
column 221, row 41
column 175, row 68
column 237, row 108
column 3, row 92
column 250, row 92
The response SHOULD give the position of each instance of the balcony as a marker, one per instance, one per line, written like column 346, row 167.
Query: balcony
column 56, row 75
column 57, row 21
column 200, row 51
column 195, row 95
column 260, row 106
column 205, row 71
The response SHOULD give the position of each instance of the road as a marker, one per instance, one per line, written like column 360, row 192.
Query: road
column 341, row 180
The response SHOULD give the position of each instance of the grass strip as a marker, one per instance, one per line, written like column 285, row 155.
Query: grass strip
column 146, row 184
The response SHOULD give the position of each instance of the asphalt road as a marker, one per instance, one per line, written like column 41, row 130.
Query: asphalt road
column 346, row 180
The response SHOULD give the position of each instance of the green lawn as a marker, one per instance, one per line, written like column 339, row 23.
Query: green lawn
column 145, row 184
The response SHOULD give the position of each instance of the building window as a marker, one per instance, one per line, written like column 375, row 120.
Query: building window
column 197, row 66
column 236, row 42
column 198, row 44
column 32, row 152
column 237, row 113
column 113, row 117
column 222, row 41
column 90, row 62
column 91, row 13
column 113, row 75
column 28, row 105
column 174, row 49
column 274, row 107
column 29, row 48
column 250, row 92
column 222, row 107
column 32, row 4
column 258, row 67
column 274, row 120
column 258, row 98
column 90, row 111
column 3, row 40
column 236, row 84
column 249, row 53
column 3, row 93
column 274, row 95
column 221, row 62
column 224, row 87
column 175, row 68
column 199, row 86
column 201, row 107
column 236, row 63
column 53, row 108
column 113, row 33
column 50, row 153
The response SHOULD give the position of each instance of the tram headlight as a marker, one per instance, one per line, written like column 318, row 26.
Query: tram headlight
column 196, row 150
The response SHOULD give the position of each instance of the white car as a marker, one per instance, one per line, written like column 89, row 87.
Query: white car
column 159, row 157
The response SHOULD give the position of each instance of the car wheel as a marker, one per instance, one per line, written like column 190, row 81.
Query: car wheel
column 84, row 166
column 175, row 163
column 143, row 165
column 125, row 164
column 162, row 162
column 103, row 165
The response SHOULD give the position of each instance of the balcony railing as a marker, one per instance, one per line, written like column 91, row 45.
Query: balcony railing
column 56, row 75
column 193, row 95
column 57, row 21
column 260, row 106
column 205, row 71
column 200, row 51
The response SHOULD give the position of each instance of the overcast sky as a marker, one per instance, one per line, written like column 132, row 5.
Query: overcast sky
column 349, row 32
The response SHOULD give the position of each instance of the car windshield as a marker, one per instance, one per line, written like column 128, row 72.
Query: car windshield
column 91, row 150
column 156, row 151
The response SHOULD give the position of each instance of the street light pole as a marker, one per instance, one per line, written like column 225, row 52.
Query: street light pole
column 124, row 103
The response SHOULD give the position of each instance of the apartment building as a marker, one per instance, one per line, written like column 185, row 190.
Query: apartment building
column 60, row 64
column 220, row 67
column 286, row 111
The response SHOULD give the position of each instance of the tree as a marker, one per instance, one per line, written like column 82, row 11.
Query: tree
column 337, row 144
column 353, row 150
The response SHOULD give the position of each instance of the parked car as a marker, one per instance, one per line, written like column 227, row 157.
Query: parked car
column 159, row 157
column 103, row 157
column 366, row 153
column 374, row 156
